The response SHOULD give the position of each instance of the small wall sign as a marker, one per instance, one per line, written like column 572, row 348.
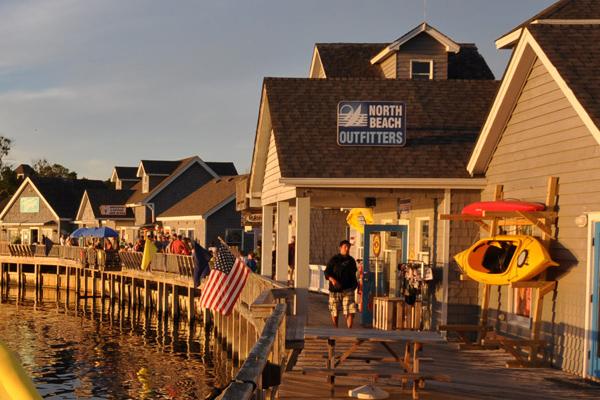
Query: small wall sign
column 113, row 210
column 29, row 205
column 371, row 123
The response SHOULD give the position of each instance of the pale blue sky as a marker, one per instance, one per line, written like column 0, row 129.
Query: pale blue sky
column 93, row 84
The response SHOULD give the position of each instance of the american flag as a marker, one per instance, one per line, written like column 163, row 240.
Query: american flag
column 225, row 282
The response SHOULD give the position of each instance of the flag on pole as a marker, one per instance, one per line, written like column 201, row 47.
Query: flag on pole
column 149, row 250
column 225, row 282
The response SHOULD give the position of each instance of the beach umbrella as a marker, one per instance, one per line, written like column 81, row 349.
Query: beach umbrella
column 103, row 232
column 81, row 232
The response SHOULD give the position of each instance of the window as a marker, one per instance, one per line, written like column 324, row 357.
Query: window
column 145, row 184
column 233, row 237
column 190, row 233
column 421, row 69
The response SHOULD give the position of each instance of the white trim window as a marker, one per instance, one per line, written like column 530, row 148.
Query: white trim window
column 421, row 69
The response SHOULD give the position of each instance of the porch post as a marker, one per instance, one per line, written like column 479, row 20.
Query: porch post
column 302, row 254
column 266, row 257
column 446, row 209
column 281, row 247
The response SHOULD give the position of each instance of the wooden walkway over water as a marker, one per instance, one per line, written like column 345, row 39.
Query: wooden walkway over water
column 478, row 374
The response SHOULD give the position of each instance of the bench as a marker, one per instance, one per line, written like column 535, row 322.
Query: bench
column 418, row 379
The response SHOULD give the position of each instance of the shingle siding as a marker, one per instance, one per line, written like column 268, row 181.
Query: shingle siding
column 217, row 223
column 14, row 214
column 543, row 138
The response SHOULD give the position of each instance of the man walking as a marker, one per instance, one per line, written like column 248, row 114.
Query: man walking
column 341, row 274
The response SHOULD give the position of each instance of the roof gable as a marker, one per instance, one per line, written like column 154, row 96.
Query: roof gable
column 449, row 44
column 124, row 174
column 563, row 11
column 573, row 68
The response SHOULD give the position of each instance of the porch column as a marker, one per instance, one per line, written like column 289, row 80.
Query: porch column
column 446, row 209
column 266, row 257
column 281, row 248
column 302, row 254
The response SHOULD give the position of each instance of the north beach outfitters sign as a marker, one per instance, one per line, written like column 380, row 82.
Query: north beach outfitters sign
column 371, row 123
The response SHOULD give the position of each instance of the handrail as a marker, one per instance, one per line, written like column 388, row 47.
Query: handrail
column 247, row 380
column 106, row 260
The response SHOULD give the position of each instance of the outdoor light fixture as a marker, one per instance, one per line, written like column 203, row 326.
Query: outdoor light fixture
column 581, row 220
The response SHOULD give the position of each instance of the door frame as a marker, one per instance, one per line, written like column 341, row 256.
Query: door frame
column 367, row 285
column 593, row 218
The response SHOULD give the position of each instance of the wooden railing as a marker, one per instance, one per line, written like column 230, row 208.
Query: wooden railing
column 105, row 260
column 261, row 315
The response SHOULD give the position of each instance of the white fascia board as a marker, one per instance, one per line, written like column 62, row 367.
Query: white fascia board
column 525, row 54
column 172, row 177
column 218, row 206
column 509, row 39
column 140, row 171
column 81, row 203
column 387, row 183
column 261, row 146
column 515, row 77
column 181, row 218
column 449, row 44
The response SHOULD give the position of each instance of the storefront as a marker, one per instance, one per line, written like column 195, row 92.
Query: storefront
column 308, row 176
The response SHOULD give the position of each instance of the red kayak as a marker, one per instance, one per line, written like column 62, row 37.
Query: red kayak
column 479, row 207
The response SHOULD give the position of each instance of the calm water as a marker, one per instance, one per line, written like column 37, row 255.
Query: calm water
column 90, row 350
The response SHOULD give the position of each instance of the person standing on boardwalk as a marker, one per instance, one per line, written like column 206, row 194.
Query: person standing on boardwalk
column 341, row 274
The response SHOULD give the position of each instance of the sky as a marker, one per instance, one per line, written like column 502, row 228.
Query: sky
column 97, row 83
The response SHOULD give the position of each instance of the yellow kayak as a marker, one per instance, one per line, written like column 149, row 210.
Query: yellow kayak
column 504, row 259
column 15, row 384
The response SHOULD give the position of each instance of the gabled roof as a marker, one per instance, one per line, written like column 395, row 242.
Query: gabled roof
column 353, row 60
column 182, row 165
column 571, row 54
column 61, row 195
column 223, row 168
column 441, row 127
column 106, row 196
column 424, row 27
column 159, row 167
column 206, row 199
column 562, row 12
column 124, row 174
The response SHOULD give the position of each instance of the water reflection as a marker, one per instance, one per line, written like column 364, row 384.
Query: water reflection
column 89, row 348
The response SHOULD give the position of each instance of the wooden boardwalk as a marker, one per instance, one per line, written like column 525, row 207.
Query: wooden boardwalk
column 474, row 374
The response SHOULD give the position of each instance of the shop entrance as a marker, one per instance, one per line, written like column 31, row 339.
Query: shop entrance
column 594, row 368
column 385, row 246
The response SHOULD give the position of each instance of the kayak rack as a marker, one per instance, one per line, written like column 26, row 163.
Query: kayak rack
column 527, row 353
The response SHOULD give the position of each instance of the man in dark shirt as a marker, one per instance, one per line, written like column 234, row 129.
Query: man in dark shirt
column 341, row 274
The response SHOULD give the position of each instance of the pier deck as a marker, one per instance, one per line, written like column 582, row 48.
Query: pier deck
column 474, row 374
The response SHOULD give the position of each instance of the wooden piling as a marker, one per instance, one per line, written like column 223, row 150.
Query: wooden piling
column 175, row 307
column 191, row 306
column 165, row 299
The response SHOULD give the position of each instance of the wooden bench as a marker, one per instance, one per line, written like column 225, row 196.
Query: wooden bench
column 374, row 376
column 463, row 332
column 528, row 353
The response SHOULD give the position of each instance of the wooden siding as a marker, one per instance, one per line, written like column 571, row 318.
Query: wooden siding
column 462, row 295
column 14, row 215
column 87, row 215
column 423, row 47
column 545, row 137
column 225, row 218
column 389, row 67
column 272, row 190
column 317, row 70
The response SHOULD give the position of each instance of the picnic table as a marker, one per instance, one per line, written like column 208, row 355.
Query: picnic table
column 404, row 367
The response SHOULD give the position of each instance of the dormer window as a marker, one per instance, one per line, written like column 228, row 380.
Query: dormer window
column 145, row 184
column 421, row 69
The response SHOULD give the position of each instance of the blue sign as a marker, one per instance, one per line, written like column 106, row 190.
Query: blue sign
column 371, row 123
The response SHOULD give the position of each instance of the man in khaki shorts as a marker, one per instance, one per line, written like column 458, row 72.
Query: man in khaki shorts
column 341, row 274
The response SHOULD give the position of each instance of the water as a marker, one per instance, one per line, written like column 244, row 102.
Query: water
column 90, row 350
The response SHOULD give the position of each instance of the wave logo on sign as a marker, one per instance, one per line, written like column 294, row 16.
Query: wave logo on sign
column 351, row 117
